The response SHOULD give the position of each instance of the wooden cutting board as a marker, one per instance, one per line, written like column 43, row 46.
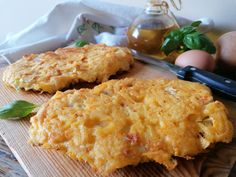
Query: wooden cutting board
column 38, row 162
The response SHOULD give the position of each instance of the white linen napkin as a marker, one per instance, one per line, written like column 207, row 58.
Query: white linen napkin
column 94, row 21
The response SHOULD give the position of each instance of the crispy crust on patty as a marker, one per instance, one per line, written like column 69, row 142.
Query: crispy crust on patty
column 129, row 121
column 53, row 71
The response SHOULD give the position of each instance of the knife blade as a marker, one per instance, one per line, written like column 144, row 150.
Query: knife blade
column 219, row 84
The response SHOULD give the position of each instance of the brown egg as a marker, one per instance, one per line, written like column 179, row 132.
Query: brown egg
column 227, row 49
column 197, row 58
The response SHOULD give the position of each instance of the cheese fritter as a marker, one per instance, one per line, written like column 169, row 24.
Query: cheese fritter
column 130, row 121
column 52, row 71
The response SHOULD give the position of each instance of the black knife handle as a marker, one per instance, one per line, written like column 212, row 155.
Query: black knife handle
column 222, row 85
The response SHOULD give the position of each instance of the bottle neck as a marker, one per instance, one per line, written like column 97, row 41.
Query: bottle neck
column 154, row 1
column 156, row 7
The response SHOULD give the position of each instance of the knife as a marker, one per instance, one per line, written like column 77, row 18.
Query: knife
column 221, row 85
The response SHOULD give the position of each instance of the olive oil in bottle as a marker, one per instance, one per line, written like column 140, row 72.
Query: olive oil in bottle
column 146, row 33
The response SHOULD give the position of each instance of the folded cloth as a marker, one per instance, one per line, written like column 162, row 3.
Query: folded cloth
column 94, row 21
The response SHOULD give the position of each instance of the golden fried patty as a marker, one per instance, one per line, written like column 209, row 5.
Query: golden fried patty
column 125, row 122
column 52, row 71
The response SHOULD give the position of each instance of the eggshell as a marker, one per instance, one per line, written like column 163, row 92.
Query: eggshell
column 227, row 49
column 197, row 58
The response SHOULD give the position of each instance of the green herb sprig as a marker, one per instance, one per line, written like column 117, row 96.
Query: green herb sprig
column 16, row 110
column 81, row 43
column 187, row 38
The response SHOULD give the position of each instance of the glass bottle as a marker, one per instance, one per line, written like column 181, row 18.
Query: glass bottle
column 146, row 33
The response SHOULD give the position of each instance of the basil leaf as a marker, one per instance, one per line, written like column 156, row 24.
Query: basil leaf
column 187, row 38
column 199, row 41
column 172, row 42
column 187, row 30
column 209, row 46
column 169, row 46
column 192, row 41
column 196, row 24
column 16, row 110
column 174, row 33
column 81, row 43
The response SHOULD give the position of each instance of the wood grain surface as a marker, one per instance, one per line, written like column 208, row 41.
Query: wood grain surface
column 9, row 166
column 38, row 162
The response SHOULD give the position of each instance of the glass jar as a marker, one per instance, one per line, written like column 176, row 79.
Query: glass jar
column 146, row 33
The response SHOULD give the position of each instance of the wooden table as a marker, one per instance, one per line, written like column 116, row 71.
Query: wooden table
column 9, row 166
